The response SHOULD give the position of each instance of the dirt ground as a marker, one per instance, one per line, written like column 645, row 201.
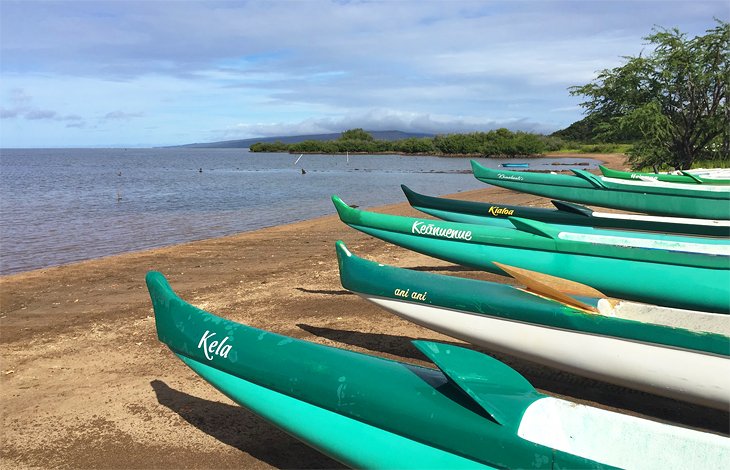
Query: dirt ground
column 86, row 384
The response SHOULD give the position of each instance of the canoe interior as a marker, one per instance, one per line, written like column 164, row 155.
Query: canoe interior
column 654, row 242
column 692, row 320
column 620, row 440
column 653, row 184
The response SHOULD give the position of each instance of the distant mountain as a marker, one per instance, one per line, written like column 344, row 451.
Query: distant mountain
column 245, row 143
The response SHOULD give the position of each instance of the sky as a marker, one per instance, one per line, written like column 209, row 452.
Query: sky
column 123, row 73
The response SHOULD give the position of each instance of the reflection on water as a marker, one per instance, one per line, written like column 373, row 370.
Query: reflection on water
column 63, row 205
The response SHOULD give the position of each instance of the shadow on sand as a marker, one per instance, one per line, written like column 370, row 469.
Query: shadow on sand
column 239, row 428
column 324, row 291
column 449, row 269
column 552, row 381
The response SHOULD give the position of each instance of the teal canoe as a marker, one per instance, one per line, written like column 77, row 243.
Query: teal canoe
column 515, row 165
column 369, row 412
column 670, row 199
column 565, row 213
column 694, row 276
column 683, row 177
column 676, row 353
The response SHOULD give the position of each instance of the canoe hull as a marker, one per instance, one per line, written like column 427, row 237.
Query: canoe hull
column 472, row 407
column 654, row 283
column 671, row 352
column 303, row 386
column 472, row 212
column 688, row 178
column 647, row 198
column 351, row 442
column 684, row 375
column 515, row 165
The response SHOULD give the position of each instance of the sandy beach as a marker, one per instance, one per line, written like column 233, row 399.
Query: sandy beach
column 86, row 384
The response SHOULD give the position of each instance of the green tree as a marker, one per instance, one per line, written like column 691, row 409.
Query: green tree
column 356, row 134
column 306, row 146
column 674, row 100
column 588, row 131
column 277, row 146
column 414, row 145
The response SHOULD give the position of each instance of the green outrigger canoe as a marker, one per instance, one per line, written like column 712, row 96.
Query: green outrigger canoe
column 676, row 353
column 683, row 177
column 369, row 412
column 565, row 213
column 670, row 199
column 694, row 276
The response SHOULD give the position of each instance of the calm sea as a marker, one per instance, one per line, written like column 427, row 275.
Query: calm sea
column 63, row 205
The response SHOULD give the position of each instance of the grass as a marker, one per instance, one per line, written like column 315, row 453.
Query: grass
column 573, row 147
column 717, row 163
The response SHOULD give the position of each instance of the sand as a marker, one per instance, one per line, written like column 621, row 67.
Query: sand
column 86, row 384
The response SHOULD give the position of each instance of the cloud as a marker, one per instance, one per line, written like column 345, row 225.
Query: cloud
column 196, row 68
column 40, row 114
column 22, row 108
column 123, row 40
column 382, row 120
column 19, row 104
column 121, row 116
column 9, row 113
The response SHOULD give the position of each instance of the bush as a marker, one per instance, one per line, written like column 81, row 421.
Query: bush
column 499, row 142
column 269, row 147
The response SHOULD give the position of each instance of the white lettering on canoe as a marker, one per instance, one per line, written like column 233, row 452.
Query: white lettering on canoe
column 406, row 293
column 401, row 293
column 215, row 348
column 419, row 296
column 421, row 228
column 502, row 176
column 638, row 176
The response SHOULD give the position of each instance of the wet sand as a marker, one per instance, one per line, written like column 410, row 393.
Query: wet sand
column 86, row 384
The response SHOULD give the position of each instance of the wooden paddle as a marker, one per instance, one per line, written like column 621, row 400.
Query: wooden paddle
column 554, row 288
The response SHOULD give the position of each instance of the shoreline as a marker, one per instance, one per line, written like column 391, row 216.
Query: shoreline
column 449, row 155
column 80, row 258
column 85, row 382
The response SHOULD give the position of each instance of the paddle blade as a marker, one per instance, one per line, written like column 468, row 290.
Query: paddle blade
column 554, row 288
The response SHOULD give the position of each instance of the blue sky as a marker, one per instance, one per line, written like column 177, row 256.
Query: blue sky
column 157, row 72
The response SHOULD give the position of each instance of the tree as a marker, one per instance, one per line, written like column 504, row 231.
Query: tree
column 588, row 130
column 356, row 134
column 673, row 100
column 414, row 145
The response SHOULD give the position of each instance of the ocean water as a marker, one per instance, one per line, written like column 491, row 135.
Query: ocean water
column 63, row 205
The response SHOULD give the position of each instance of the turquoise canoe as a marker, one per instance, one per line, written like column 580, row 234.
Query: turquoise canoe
column 369, row 412
column 676, row 353
column 684, row 176
column 515, row 165
column 694, row 276
column 565, row 213
column 670, row 199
